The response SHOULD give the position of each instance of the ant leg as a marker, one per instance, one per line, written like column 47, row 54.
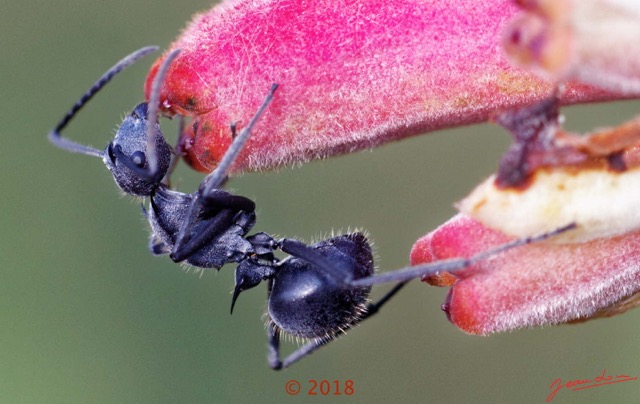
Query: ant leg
column 228, row 207
column 274, row 336
column 408, row 273
column 273, row 354
column 225, row 200
column 274, row 350
column 219, row 175
column 310, row 254
column 373, row 308
column 214, row 179
column 152, row 114
column 216, row 226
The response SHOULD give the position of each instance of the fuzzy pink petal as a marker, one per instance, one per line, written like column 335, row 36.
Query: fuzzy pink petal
column 533, row 285
column 352, row 75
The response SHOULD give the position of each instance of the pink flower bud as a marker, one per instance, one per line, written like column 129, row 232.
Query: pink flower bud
column 534, row 285
column 353, row 75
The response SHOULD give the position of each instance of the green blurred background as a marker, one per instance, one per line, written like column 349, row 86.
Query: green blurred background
column 88, row 315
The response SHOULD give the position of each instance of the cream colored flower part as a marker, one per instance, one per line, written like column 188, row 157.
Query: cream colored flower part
column 603, row 203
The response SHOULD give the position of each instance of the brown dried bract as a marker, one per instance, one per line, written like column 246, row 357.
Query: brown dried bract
column 540, row 143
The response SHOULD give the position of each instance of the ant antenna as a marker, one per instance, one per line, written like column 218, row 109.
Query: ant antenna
column 408, row 273
column 69, row 145
column 217, row 177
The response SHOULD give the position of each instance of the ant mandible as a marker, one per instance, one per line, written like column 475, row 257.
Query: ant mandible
column 317, row 292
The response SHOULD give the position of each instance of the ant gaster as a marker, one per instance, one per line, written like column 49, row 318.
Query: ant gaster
column 317, row 292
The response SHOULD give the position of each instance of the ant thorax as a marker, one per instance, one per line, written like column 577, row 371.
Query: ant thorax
column 217, row 236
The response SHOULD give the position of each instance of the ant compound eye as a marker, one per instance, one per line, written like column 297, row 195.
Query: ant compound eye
column 138, row 158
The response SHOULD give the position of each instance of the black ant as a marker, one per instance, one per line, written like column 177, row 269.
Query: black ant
column 317, row 292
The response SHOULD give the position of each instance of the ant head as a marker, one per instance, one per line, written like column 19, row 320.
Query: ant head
column 138, row 157
column 127, row 156
column 310, row 301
